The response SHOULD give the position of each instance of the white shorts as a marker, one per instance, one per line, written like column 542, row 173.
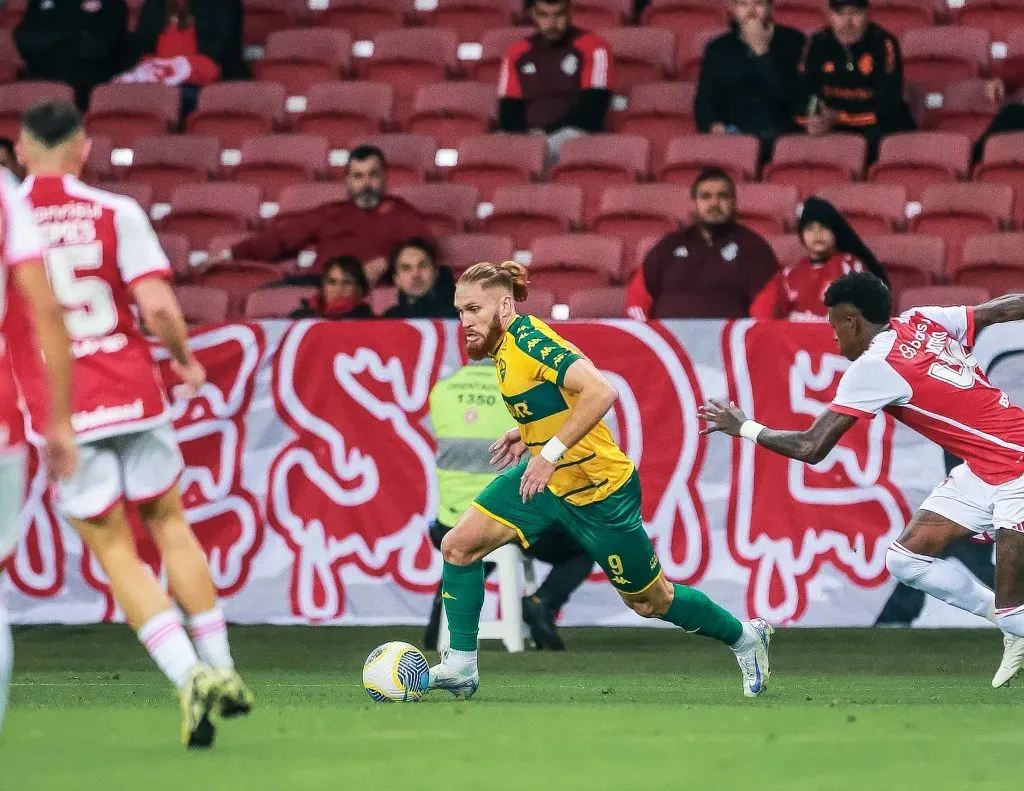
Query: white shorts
column 980, row 507
column 134, row 467
column 12, row 495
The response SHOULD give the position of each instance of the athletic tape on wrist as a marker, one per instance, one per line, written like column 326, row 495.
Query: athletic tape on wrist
column 751, row 429
column 553, row 450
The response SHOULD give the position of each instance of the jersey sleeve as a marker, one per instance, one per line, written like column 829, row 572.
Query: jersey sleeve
column 552, row 357
column 22, row 240
column 139, row 254
column 958, row 321
column 597, row 64
column 509, row 86
column 868, row 386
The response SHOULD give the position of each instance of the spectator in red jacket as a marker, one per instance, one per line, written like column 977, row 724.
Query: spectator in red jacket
column 368, row 225
column 343, row 292
column 711, row 270
column 556, row 82
column 833, row 249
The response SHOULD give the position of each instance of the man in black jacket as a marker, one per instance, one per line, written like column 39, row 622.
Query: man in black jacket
column 425, row 290
column 81, row 42
column 853, row 78
column 748, row 77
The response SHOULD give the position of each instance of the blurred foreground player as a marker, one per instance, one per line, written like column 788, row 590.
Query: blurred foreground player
column 24, row 286
column 103, row 258
column 919, row 368
column 572, row 473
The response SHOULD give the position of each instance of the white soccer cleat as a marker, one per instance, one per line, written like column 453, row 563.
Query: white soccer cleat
column 753, row 661
column 457, row 681
column 1013, row 655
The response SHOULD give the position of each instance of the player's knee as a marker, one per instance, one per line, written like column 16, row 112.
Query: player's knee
column 454, row 550
column 654, row 602
column 908, row 568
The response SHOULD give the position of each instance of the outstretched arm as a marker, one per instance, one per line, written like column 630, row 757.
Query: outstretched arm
column 999, row 310
column 810, row 446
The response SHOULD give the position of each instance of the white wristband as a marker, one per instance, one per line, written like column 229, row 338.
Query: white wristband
column 553, row 450
column 751, row 429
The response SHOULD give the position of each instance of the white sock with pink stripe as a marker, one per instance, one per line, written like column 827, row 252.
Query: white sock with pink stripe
column 165, row 639
column 946, row 580
column 210, row 634
column 1011, row 620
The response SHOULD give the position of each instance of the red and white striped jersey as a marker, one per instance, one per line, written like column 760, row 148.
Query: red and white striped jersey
column 20, row 244
column 99, row 246
column 922, row 372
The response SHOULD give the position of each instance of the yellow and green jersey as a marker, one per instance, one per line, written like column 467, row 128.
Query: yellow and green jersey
column 531, row 362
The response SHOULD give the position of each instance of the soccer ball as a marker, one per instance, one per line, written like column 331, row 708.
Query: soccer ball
column 396, row 672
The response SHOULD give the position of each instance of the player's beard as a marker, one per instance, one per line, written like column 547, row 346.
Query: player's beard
column 486, row 345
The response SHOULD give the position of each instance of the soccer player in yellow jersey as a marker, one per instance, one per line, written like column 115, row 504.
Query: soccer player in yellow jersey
column 561, row 465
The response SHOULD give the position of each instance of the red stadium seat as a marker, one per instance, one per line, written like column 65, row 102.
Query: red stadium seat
column 410, row 57
column 341, row 111
column 176, row 248
column 899, row 16
column 636, row 257
column 297, row 198
column 539, row 303
column 17, row 97
column 277, row 302
column 239, row 278
column 767, row 208
column 448, row 208
column 1002, row 162
column 943, row 296
column 565, row 263
column 870, row 208
column 957, row 211
column 938, row 56
column 202, row 211
column 911, row 260
column 595, row 161
column 264, row 17
column 966, row 108
column 461, row 250
column 607, row 302
column 992, row 261
column 169, row 161
column 995, row 16
column 787, row 248
column 410, row 158
column 491, row 161
column 272, row 162
column 494, row 44
column 126, row 111
column 11, row 64
column 685, row 16
column 809, row 163
column 469, row 17
column 140, row 193
column 808, row 17
column 299, row 59
column 235, row 111
column 382, row 298
column 98, row 166
column 634, row 211
column 690, row 53
column 452, row 111
column 532, row 210
column 642, row 55
column 202, row 304
column 601, row 14
column 918, row 158
column 364, row 19
column 660, row 112
column 687, row 156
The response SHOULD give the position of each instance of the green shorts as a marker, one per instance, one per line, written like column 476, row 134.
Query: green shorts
column 612, row 530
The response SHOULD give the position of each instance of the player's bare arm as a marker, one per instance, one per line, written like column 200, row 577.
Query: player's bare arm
column 53, row 341
column 999, row 310
column 595, row 396
column 162, row 314
column 810, row 446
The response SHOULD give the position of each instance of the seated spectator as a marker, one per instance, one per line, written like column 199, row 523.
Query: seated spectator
column 343, row 292
column 190, row 43
column 368, row 225
column 556, row 82
column 425, row 290
column 9, row 159
column 853, row 78
column 833, row 249
column 711, row 270
column 81, row 42
column 748, row 77
column 1010, row 117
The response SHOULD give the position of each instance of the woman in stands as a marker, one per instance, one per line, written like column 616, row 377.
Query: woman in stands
column 833, row 249
column 343, row 292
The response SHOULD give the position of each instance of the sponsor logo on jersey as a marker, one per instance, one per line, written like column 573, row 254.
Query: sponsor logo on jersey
column 106, row 415
column 730, row 251
column 569, row 64
column 529, row 68
column 681, row 252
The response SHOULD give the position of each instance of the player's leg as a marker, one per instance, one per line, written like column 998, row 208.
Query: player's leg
column 1008, row 516
column 91, row 500
column 570, row 567
column 151, row 466
column 12, row 489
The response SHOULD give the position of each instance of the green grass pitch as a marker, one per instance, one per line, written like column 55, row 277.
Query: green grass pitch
column 622, row 709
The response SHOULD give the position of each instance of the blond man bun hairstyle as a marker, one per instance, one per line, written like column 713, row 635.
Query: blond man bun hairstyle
column 508, row 275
